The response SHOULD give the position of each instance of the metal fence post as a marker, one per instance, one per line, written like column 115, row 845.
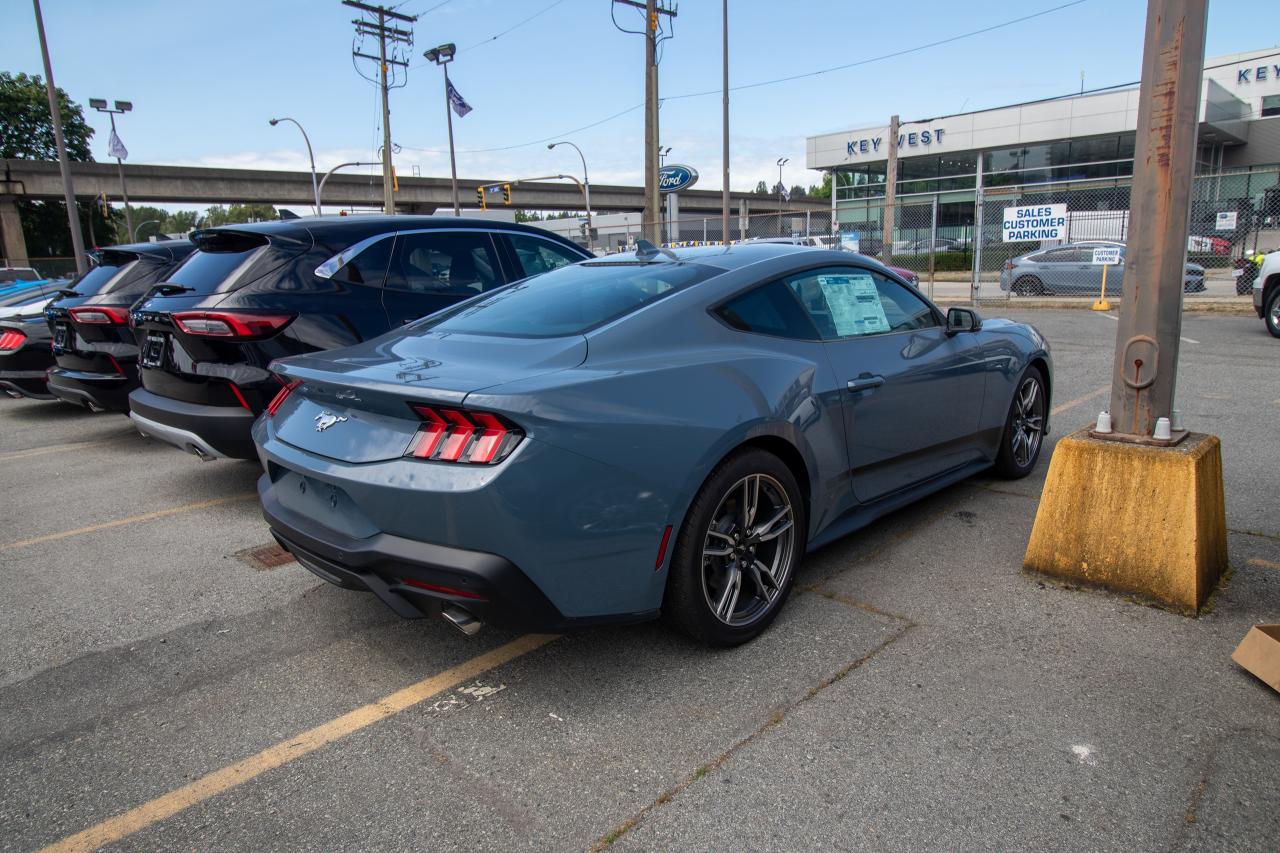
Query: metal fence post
column 933, row 243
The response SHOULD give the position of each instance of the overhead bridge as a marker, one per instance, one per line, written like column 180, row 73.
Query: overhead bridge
column 39, row 179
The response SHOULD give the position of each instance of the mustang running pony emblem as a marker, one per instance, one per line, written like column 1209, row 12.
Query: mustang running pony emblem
column 324, row 420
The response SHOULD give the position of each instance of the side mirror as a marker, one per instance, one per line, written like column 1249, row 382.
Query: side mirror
column 962, row 320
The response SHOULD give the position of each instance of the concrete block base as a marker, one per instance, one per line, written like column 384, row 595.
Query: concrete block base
column 1149, row 521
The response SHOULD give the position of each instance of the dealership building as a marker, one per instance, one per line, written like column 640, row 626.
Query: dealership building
column 1039, row 150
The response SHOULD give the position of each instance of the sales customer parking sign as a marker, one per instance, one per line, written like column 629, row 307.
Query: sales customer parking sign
column 1035, row 222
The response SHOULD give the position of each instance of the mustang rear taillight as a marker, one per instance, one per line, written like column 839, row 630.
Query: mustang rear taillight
column 230, row 324
column 11, row 339
column 99, row 315
column 278, row 400
column 462, row 435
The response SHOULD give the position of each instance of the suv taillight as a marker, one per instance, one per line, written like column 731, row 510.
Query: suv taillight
column 278, row 400
column 99, row 315
column 463, row 435
column 230, row 324
column 11, row 339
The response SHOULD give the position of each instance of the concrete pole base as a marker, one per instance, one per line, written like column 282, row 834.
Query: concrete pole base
column 1148, row 521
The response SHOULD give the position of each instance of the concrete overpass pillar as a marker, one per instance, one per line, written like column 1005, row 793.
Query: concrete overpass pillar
column 14, row 246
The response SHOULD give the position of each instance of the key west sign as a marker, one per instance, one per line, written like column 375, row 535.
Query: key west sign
column 906, row 139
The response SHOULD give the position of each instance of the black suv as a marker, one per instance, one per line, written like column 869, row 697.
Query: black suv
column 94, row 348
column 255, row 293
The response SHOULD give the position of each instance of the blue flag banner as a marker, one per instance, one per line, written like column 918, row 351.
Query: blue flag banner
column 459, row 103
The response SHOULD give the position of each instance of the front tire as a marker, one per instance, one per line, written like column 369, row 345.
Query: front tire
column 738, row 550
column 1023, row 435
column 1272, row 313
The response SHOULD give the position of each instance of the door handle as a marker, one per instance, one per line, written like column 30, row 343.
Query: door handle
column 865, row 382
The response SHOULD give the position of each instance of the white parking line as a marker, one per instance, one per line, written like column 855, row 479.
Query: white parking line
column 1184, row 340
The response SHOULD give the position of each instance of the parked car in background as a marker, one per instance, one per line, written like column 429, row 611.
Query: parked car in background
column 924, row 247
column 25, row 355
column 254, row 293
column 1266, row 292
column 1070, row 270
column 94, row 349
column 651, row 432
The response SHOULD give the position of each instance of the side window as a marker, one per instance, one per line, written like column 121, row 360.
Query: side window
column 769, row 310
column 458, row 263
column 848, row 302
column 369, row 267
column 537, row 255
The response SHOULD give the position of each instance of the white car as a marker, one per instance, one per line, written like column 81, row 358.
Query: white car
column 1266, row 292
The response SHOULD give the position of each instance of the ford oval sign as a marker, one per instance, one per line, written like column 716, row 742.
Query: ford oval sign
column 676, row 177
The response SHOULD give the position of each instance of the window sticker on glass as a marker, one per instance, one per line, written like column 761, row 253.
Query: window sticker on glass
column 854, row 303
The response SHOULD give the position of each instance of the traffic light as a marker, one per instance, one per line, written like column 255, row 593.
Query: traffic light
column 506, row 193
column 480, row 198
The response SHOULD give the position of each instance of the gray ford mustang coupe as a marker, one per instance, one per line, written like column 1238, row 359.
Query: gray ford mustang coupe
column 657, row 432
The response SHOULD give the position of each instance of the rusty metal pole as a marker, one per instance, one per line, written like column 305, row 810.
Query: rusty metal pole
column 1146, row 360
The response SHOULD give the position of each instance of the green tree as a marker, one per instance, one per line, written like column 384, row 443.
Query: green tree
column 799, row 191
column 26, row 133
column 238, row 214
column 528, row 216
column 762, row 188
column 823, row 190
column 182, row 221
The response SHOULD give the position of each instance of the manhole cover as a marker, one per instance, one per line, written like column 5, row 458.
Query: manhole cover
column 264, row 558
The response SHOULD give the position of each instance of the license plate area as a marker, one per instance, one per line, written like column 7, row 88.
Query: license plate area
column 61, row 334
column 153, row 349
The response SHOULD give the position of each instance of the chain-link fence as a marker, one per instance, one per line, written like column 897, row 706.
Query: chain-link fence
column 1016, row 241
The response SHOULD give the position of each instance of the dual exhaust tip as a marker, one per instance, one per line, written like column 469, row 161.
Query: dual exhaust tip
column 461, row 619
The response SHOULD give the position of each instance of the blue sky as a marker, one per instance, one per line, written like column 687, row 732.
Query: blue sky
column 204, row 78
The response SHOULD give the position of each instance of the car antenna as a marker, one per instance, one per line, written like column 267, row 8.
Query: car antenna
column 646, row 251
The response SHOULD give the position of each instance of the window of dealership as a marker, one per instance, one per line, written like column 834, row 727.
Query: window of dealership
column 1079, row 141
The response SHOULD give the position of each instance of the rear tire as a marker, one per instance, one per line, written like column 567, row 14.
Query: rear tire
column 738, row 551
column 1028, row 285
column 1023, row 435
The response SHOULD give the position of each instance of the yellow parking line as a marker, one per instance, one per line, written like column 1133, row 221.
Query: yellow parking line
column 1266, row 564
column 220, row 781
column 133, row 519
column 1071, row 404
column 62, row 448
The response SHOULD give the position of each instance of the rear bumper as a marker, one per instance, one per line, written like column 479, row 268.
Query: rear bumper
column 496, row 591
column 24, row 371
column 108, row 391
column 208, row 431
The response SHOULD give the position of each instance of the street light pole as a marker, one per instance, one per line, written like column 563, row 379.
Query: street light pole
column 724, row 177
column 64, row 165
column 442, row 56
column 329, row 174
column 315, row 188
column 121, row 107
column 586, row 184
column 782, row 161
column 138, row 230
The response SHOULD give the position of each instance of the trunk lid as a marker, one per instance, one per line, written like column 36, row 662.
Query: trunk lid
column 354, row 404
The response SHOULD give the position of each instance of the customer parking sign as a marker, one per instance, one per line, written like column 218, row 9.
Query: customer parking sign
column 1035, row 222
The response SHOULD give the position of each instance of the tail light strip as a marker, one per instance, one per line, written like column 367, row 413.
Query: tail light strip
column 230, row 324
column 99, row 315
column 278, row 400
column 462, row 435
column 11, row 339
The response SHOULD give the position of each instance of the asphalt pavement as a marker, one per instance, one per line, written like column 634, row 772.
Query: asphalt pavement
column 919, row 691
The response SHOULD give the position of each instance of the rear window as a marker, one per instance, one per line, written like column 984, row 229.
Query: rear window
column 219, row 255
column 97, row 278
column 569, row 300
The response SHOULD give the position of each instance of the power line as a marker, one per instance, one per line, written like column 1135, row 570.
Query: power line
column 493, row 38
column 761, row 83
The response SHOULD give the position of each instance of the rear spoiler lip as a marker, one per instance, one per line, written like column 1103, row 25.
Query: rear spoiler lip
column 296, row 368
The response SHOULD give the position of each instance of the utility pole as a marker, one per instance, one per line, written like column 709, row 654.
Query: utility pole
column 651, row 227
column 890, row 192
column 385, row 35
column 1146, row 358
column 121, row 107
column 68, row 186
column 724, row 177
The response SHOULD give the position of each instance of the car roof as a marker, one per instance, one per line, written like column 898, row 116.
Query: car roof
column 738, row 255
column 349, row 229
column 166, row 250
